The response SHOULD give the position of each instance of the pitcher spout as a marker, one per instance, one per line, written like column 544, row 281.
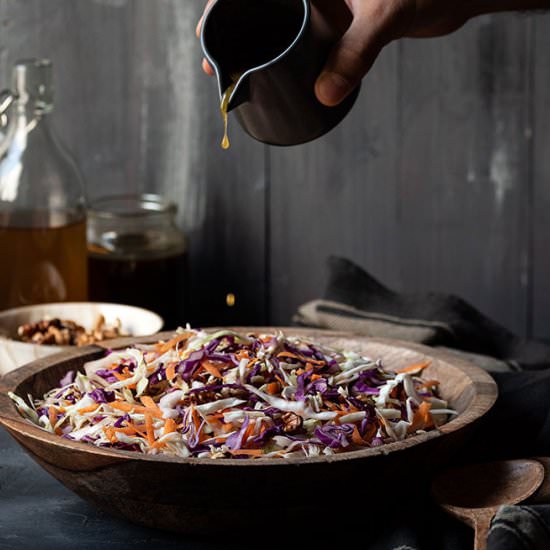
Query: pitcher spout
column 234, row 90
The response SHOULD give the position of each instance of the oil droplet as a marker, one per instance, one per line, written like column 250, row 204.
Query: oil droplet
column 230, row 300
column 225, row 141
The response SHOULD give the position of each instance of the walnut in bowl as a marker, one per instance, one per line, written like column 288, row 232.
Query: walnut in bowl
column 99, row 321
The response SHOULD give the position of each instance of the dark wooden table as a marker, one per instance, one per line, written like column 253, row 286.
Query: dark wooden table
column 37, row 512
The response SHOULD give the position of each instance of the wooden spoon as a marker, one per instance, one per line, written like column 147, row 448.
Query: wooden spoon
column 473, row 494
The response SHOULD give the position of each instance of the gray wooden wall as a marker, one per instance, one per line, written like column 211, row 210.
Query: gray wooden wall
column 439, row 180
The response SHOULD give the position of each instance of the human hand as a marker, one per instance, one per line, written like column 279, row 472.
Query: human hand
column 374, row 24
column 205, row 65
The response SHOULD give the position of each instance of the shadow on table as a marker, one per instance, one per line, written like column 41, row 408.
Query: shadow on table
column 37, row 512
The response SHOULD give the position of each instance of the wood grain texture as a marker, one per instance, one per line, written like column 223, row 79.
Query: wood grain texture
column 473, row 494
column 131, row 485
column 425, row 184
column 464, row 166
column 428, row 183
column 541, row 174
column 337, row 196
column 140, row 116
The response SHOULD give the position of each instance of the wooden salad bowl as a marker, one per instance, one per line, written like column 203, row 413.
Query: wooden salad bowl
column 194, row 495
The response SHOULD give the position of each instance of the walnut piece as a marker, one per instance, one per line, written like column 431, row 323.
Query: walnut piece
column 292, row 422
column 62, row 332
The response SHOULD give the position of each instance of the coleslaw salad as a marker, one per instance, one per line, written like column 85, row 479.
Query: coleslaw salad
column 231, row 395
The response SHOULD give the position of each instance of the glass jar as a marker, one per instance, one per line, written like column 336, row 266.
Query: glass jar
column 138, row 256
column 42, row 213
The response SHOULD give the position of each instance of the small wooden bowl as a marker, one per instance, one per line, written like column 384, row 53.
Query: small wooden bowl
column 196, row 495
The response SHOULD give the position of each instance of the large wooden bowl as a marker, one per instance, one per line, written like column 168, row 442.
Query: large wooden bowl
column 194, row 495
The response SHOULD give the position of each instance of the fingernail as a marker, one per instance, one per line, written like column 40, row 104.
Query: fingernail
column 332, row 88
column 198, row 28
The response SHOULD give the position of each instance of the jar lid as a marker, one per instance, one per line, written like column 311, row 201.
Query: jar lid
column 131, row 206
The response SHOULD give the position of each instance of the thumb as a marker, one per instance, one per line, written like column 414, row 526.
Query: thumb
column 349, row 62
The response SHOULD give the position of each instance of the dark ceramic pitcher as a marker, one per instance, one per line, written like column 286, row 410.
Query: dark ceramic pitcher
column 274, row 50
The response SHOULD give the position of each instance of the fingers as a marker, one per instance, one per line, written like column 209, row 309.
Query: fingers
column 355, row 53
column 199, row 24
column 348, row 63
column 206, row 67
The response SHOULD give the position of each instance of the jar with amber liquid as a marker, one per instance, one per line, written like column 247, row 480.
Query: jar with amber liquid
column 42, row 210
column 137, row 255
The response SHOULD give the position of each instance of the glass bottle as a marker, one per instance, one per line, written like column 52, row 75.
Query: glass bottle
column 42, row 212
column 137, row 255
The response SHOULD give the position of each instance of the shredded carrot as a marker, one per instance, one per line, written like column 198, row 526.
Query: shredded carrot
column 196, row 418
column 137, row 429
column 289, row 355
column 414, row 368
column 128, row 407
column 370, row 432
column 52, row 415
column 242, row 354
column 227, row 428
column 110, row 433
column 210, row 367
column 248, row 432
column 91, row 408
column 356, row 437
column 273, row 388
column 315, row 377
column 169, row 426
column 123, row 406
column 120, row 376
column 150, row 404
column 422, row 418
column 171, row 372
column 129, row 430
column 167, row 346
column 149, row 429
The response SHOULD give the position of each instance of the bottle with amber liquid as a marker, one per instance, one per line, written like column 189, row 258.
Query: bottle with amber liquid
column 42, row 210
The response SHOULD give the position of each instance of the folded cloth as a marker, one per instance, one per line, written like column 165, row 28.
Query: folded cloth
column 357, row 302
column 520, row 528
column 519, row 423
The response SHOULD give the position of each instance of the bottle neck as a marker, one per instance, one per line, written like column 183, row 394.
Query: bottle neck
column 32, row 114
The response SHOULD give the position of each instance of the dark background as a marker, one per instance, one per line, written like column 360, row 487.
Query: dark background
column 438, row 180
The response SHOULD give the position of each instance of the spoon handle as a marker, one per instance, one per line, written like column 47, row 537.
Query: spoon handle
column 482, row 523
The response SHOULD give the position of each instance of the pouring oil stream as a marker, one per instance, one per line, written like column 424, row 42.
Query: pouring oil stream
column 224, row 105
